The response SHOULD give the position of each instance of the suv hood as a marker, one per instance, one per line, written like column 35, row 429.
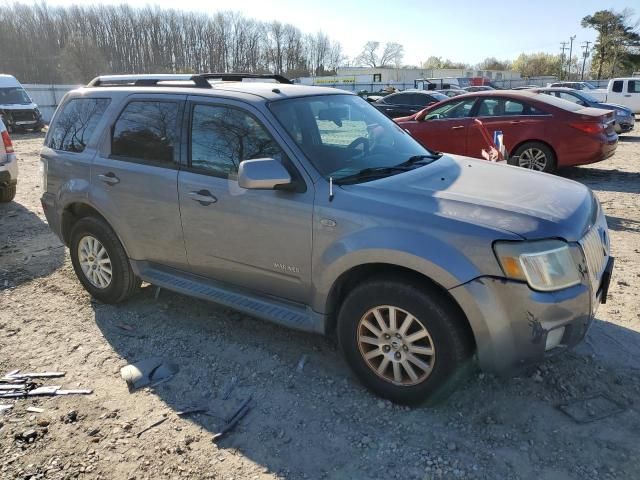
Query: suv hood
column 529, row 204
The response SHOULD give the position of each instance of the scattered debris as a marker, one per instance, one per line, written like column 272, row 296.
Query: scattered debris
column 157, row 294
column 227, row 391
column 301, row 363
column 189, row 411
column 19, row 385
column 590, row 409
column 70, row 417
column 153, row 425
column 35, row 409
column 124, row 326
column 4, row 407
column 233, row 420
column 149, row 372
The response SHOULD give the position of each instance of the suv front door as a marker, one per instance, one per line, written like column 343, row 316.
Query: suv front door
column 134, row 178
column 256, row 239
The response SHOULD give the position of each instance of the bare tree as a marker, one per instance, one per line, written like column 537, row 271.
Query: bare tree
column 391, row 55
column 54, row 44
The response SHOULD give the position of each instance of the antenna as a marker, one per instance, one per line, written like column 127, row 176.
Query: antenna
column 331, row 189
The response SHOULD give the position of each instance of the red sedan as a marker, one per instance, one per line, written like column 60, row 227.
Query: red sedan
column 540, row 132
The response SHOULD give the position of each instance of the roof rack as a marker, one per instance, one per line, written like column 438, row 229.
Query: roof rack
column 200, row 80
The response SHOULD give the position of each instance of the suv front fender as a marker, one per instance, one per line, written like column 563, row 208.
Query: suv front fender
column 439, row 261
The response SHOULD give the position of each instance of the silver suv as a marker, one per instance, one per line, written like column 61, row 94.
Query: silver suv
column 308, row 207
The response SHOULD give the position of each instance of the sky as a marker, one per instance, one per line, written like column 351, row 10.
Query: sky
column 466, row 31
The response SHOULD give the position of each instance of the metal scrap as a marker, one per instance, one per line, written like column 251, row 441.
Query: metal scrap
column 20, row 385
column 149, row 427
column 148, row 372
column 233, row 419
column 591, row 409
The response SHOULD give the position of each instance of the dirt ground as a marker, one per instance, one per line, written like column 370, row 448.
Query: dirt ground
column 314, row 422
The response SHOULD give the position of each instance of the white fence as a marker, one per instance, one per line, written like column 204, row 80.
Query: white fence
column 47, row 97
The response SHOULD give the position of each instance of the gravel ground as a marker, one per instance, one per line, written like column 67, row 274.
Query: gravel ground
column 314, row 422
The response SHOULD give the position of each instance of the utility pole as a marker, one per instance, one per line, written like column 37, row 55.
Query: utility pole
column 585, row 55
column 563, row 47
column 571, row 39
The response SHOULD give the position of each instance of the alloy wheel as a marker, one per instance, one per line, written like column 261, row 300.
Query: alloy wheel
column 395, row 345
column 534, row 159
column 95, row 262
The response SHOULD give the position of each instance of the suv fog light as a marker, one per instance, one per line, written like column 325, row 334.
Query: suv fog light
column 554, row 337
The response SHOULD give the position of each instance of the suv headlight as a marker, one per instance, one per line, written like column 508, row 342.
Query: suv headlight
column 545, row 265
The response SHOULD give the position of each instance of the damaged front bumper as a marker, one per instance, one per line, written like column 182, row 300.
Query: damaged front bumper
column 515, row 326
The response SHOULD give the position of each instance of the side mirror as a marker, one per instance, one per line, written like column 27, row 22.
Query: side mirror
column 262, row 174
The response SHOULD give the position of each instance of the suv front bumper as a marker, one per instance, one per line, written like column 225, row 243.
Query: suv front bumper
column 515, row 326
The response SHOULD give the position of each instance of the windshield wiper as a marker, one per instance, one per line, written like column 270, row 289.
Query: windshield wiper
column 370, row 173
column 431, row 157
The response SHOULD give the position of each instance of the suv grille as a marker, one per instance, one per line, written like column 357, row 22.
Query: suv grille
column 23, row 115
column 595, row 245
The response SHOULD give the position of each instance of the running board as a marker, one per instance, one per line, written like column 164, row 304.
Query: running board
column 278, row 311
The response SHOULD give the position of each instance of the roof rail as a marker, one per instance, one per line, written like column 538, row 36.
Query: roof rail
column 200, row 80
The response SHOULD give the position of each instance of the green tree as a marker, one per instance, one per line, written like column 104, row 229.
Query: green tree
column 617, row 48
column 537, row 64
column 492, row 63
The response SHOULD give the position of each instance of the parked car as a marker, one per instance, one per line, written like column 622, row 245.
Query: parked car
column 540, row 132
column 407, row 102
column 17, row 110
column 526, row 87
column 621, row 91
column 574, row 85
column 308, row 207
column 624, row 117
column 478, row 88
column 8, row 166
column 452, row 92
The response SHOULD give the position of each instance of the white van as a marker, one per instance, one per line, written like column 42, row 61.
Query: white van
column 17, row 110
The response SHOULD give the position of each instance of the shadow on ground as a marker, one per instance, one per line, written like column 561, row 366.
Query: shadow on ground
column 320, row 423
column 28, row 248
column 610, row 180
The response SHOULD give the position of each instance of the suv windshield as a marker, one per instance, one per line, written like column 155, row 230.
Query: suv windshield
column 14, row 96
column 343, row 135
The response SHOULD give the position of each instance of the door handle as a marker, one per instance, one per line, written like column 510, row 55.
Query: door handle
column 457, row 127
column 109, row 178
column 203, row 197
column 515, row 122
column 628, row 95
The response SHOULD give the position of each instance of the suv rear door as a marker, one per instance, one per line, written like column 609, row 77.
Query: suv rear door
column 256, row 239
column 134, row 177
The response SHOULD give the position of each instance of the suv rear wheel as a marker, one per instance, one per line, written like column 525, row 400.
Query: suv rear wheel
column 100, row 261
column 403, row 341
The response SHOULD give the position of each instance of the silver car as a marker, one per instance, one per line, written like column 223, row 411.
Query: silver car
column 8, row 166
column 307, row 207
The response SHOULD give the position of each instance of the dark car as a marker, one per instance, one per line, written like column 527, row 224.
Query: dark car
column 478, row 88
column 408, row 102
column 541, row 132
column 452, row 92
column 625, row 119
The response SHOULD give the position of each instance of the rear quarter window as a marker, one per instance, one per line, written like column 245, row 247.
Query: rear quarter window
column 75, row 124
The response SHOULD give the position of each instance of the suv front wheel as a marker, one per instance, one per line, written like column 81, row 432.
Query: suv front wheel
column 100, row 262
column 403, row 341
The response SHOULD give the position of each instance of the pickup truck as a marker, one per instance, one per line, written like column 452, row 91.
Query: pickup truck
column 621, row 91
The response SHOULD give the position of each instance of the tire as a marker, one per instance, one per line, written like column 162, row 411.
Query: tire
column 527, row 154
column 7, row 193
column 113, row 288
column 447, row 337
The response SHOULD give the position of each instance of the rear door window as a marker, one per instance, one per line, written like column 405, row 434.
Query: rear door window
column 147, row 131
column 460, row 109
column 75, row 124
column 501, row 107
column 633, row 86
